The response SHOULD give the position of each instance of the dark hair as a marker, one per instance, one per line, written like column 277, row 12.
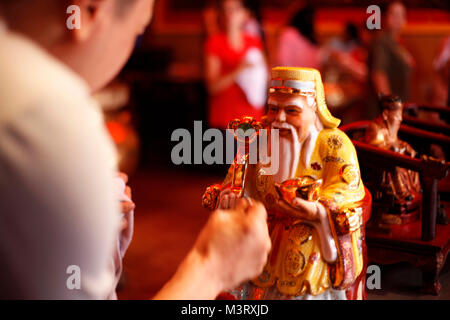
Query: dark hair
column 388, row 102
column 303, row 21
column 219, row 3
column 254, row 6
column 351, row 30
column 384, row 7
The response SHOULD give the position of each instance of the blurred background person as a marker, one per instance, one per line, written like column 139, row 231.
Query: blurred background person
column 390, row 63
column 254, row 24
column 439, row 91
column 297, row 45
column 350, row 39
column 350, row 50
column 345, row 73
column 236, row 73
column 441, row 79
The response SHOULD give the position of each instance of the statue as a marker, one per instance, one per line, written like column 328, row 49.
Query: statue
column 315, row 200
column 400, row 184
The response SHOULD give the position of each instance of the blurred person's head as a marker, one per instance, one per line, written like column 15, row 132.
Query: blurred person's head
column 254, row 9
column 394, row 16
column 391, row 108
column 99, row 49
column 232, row 14
column 303, row 21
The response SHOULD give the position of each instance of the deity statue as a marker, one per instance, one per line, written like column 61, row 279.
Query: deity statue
column 315, row 200
column 401, row 184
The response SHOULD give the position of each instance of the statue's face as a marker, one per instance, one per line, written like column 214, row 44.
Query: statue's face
column 294, row 110
column 393, row 117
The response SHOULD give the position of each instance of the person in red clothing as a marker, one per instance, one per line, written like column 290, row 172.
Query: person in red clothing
column 236, row 72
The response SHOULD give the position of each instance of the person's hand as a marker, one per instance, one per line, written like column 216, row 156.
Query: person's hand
column 227, row 199
column 126, row 202
column 301, row 209
column 231, row 248
column 235, row 243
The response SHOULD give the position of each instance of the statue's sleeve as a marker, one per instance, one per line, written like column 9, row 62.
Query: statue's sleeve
column 342, row 194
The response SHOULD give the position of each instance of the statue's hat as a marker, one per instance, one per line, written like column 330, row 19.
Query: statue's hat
column 304, row 81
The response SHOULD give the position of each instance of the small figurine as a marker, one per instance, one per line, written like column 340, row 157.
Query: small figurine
column 401, row 184
column 315, row 200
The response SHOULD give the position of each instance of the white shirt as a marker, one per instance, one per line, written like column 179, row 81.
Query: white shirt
column 254, row 79
column 58, row 199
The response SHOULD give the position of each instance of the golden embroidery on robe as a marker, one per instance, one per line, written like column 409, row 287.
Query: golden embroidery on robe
column 295, row 263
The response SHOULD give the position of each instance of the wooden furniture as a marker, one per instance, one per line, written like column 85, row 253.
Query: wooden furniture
column 411, row 117
column 420, row 243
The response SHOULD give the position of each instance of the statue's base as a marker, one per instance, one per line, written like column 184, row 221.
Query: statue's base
column 402, row 212
column 400, row 219
column 404, row 244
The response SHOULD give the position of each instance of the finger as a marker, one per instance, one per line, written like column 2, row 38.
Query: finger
column 299, row 203
column 242, row 204
column 257, row 210
column 226, row 191
column 124, row 224
column 232, row 201
column 308, row 208
column 123, row 176
column 224, row 202
column 128, row 192
column 281, row 203
column 127, row 207
column 285, row 206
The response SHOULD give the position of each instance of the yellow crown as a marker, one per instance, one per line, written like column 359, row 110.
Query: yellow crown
column 309, row 75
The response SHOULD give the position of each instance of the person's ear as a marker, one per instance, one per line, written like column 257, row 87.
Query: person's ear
column 92, row 14
column 385, row 114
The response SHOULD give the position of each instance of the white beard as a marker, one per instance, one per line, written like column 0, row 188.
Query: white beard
column 289, row 153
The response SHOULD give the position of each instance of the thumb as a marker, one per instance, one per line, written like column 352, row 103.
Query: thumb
column 257, row 211
column 127, row 207
column 242, row 204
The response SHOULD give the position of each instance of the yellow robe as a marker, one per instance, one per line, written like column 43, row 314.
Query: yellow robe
column 295, row 264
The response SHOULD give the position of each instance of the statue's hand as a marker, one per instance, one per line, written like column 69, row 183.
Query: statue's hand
column 301, row 209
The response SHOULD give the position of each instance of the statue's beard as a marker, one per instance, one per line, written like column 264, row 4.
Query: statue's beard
column 289, row 151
